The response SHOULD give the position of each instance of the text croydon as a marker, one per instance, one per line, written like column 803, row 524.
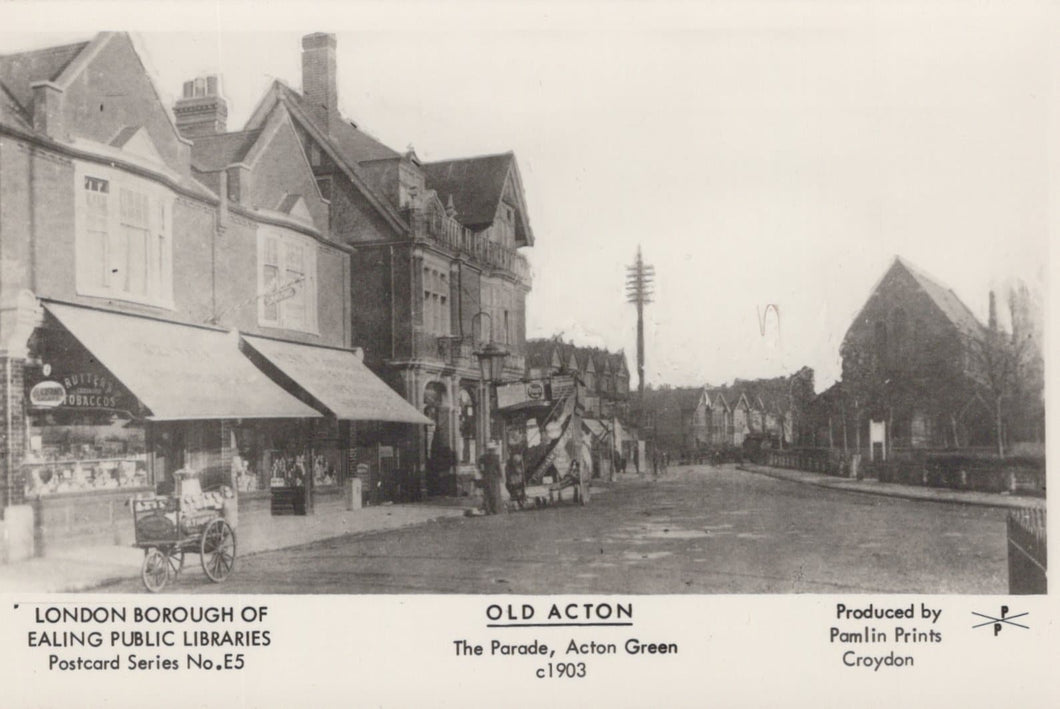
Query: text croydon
column 150, row 614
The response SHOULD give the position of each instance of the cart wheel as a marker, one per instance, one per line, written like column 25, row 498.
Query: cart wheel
column 175, row 561
column 218, row 551
column 155, row 570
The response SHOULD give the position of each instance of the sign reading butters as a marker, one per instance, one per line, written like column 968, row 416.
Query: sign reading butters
column 80, row 390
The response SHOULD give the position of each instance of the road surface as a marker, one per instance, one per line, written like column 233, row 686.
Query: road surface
column 698, row 529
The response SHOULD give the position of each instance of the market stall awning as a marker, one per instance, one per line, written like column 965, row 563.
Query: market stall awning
column 338, row 380
column 179, row 372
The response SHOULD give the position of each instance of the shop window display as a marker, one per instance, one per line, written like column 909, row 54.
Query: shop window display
column 72, row 452
column 268, row 456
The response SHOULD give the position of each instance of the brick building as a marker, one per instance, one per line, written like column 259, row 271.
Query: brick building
column 688, row 421
column 909, row 364
column 172, row 296
column 677, row 420
column 435, row 253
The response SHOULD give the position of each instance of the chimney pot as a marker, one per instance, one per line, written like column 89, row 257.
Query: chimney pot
column 202, row 110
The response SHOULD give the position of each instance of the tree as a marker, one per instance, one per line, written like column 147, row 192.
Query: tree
column 1007, row 364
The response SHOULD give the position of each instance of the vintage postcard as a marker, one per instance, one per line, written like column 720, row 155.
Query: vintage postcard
column 416, row 355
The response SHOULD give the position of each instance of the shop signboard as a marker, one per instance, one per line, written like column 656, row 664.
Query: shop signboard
column 562, row 386
column 516, row 393
column 47, row 395
column 80, row 389
column 281, row 292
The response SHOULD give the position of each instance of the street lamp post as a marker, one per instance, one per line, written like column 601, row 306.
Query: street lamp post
column 491, row 358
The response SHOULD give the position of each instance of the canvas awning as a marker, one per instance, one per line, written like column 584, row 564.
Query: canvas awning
column 179, row 372
column 337, row 380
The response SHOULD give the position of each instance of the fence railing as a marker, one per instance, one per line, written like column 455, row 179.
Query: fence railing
column 814, row 460
column 964, row 471
column 1027, row 552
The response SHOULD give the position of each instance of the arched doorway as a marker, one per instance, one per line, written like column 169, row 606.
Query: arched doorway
column 439, row 454
column 468, row 422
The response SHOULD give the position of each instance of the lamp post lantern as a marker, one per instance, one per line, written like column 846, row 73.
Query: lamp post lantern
column 491, row 358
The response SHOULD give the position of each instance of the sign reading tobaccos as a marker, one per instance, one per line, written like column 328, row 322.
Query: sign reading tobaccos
column 80, row 390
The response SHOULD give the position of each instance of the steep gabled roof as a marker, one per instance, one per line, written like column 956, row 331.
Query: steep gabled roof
column 355, row 144
column 539, row 352
column 295, row 104
column 947, row 301
column 951, row 307
column 475, row 184
column 717, row 396
column 19, row 71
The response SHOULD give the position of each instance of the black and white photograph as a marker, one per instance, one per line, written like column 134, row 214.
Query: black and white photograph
column 594, row 301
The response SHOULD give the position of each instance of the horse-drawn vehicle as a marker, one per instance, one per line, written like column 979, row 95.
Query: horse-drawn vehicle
column 189, row 521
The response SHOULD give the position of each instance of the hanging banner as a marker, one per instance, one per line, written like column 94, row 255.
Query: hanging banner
column 557, row 434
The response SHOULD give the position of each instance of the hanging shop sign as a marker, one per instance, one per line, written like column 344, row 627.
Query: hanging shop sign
column 47, row 395
column 562, row 385
column 535, row 390
column 281, row 292
column 516, row 393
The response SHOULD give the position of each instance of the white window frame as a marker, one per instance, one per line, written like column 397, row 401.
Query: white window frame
column 158, row 252
column 308, row 288
column 436, row 297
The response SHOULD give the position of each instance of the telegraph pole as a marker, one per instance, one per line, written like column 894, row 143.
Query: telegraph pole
column 640, row 279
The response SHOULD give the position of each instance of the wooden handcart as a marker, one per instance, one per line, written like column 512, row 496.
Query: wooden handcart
column 188, row 522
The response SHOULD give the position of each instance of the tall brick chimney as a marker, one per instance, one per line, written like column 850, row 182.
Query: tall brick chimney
column 319, row 83
column 202, row 110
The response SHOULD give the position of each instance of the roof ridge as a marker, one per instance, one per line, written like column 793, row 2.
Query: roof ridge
column 507, row 153
column 55, row 48
column 921, row 276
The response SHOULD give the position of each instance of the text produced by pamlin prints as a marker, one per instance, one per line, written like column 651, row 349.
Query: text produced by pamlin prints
column 119, row 638
column 887, row 636
column 566, row 658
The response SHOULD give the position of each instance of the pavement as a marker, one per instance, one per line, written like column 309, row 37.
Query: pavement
column 69, row 568
column 910, row 492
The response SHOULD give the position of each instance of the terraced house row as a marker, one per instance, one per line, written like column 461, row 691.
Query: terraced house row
column 688, row 422
column 289, row 305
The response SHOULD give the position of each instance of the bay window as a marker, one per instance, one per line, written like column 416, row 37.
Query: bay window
column 287, row 281
column 123, row 245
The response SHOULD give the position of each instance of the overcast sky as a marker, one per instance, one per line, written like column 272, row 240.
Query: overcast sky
column 759, row 153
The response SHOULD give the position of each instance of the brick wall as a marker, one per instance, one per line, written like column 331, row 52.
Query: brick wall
column 12, row 428
column 370, row 286
column 115, row 91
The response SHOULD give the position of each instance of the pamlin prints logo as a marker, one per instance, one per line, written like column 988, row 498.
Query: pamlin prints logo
column 1000, row 623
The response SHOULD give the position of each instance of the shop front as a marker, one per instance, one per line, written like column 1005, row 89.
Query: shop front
column 116, row 404
column 366, row 429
